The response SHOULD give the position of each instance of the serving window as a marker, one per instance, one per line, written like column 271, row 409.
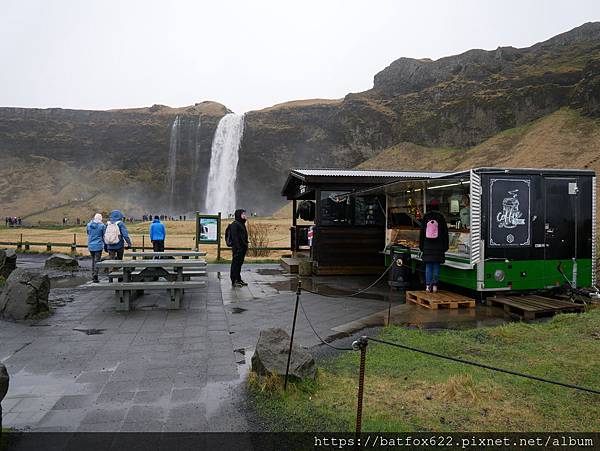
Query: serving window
column 406, row 208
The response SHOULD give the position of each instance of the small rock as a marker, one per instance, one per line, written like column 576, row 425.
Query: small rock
column 429, row 397
column 4, row 380
column 271, row 356
column 8, row 262
column 61, row 262
column 25, row 295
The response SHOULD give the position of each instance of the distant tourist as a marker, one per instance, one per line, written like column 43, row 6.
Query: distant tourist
column 157, row 235
column 95, row 232
column 236, row 237
column 116, row 235
column 433, row 242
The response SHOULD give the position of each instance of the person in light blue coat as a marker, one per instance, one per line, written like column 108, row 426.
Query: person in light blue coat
column 115, row 243
column 95, row 232
column 158, row 234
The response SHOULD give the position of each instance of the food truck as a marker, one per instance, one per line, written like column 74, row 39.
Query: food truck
column 509, row 229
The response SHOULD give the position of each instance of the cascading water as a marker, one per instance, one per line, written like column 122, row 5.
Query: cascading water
column 172, row 168
column 196, row 165
column 220, row 192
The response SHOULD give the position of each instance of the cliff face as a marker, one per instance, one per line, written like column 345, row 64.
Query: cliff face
column 454, row 102
column 121, row 154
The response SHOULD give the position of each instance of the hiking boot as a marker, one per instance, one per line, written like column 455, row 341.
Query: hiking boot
column 242, row 283
column 236, row 285
column 434, row 289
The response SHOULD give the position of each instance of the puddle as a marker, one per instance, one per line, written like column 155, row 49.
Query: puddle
column 237, row 310
column 339, row 288
column 217, row 396
column 412, row 316
column 68, row 281
column 91, row 331
column 270, row 271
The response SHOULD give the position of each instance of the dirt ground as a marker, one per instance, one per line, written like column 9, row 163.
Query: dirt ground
column 179, row 234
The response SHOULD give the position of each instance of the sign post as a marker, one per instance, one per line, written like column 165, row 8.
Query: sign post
column 219, row 238
column 208, row 230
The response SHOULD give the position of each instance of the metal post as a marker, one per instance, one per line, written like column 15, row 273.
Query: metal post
column 360, row 344
column 287, row 369
column 219, row 237
column 143, row 243
column 198, row 231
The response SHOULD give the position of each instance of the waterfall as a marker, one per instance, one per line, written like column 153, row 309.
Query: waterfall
column 195, row 167
column 224, row 155
column 172, row 168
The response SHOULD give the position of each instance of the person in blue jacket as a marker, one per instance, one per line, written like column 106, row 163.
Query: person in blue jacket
column 95, row 231
column 157, row 235
column 116, row 235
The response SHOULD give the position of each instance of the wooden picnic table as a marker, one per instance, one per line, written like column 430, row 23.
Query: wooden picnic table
column 136, row 273
column 182, row 254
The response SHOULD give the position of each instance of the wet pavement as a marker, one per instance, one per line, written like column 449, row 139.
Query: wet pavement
column 90, row 368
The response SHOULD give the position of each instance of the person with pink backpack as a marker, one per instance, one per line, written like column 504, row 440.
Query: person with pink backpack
column 433, row 242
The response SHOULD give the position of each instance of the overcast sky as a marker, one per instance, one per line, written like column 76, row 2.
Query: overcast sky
column 101, row 54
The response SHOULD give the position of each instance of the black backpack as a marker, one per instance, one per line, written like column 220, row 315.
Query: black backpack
column 228, row 238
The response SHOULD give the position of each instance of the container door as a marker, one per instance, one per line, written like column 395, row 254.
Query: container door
column 561, row 218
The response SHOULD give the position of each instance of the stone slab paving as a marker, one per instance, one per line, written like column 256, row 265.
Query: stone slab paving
column 90, row 368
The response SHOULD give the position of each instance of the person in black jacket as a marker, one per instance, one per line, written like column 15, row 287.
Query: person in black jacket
column 433, row 242
column 239, row 247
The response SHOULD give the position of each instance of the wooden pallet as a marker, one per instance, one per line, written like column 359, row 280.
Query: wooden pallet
column 439, row 300
column 534, row 306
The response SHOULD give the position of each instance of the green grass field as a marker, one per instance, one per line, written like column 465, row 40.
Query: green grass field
column 407, row 391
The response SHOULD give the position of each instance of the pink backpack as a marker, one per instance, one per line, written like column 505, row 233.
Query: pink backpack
column 431, row 231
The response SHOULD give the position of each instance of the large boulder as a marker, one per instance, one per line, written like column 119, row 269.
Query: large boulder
column 61, row 262
column 25, row 295
column 272, row 352
column 8, row 262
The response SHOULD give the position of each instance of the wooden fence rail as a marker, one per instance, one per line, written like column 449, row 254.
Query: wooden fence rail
column 26, row 245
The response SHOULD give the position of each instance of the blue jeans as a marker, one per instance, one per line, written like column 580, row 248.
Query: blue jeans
column 432, row 273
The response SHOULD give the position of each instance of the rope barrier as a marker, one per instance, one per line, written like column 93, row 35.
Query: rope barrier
column 316, row 334
column 487, row 367
column 355, row 293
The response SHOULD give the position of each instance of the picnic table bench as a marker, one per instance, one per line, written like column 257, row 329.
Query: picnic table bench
column 135, row 274
column 182, row 254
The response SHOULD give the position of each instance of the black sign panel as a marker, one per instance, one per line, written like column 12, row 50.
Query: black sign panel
column 510, row 213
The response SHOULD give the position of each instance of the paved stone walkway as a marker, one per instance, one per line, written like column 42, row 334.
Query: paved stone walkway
column 89, row 368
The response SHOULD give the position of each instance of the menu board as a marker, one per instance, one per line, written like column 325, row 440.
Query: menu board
column 510, row 212
column 368, row 211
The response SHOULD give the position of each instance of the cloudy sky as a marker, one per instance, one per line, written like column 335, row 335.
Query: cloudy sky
column 101, row 54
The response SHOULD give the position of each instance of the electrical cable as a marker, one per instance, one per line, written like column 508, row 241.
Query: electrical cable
column 487, row 367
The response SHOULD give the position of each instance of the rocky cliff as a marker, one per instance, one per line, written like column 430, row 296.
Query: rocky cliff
column 456, row 102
